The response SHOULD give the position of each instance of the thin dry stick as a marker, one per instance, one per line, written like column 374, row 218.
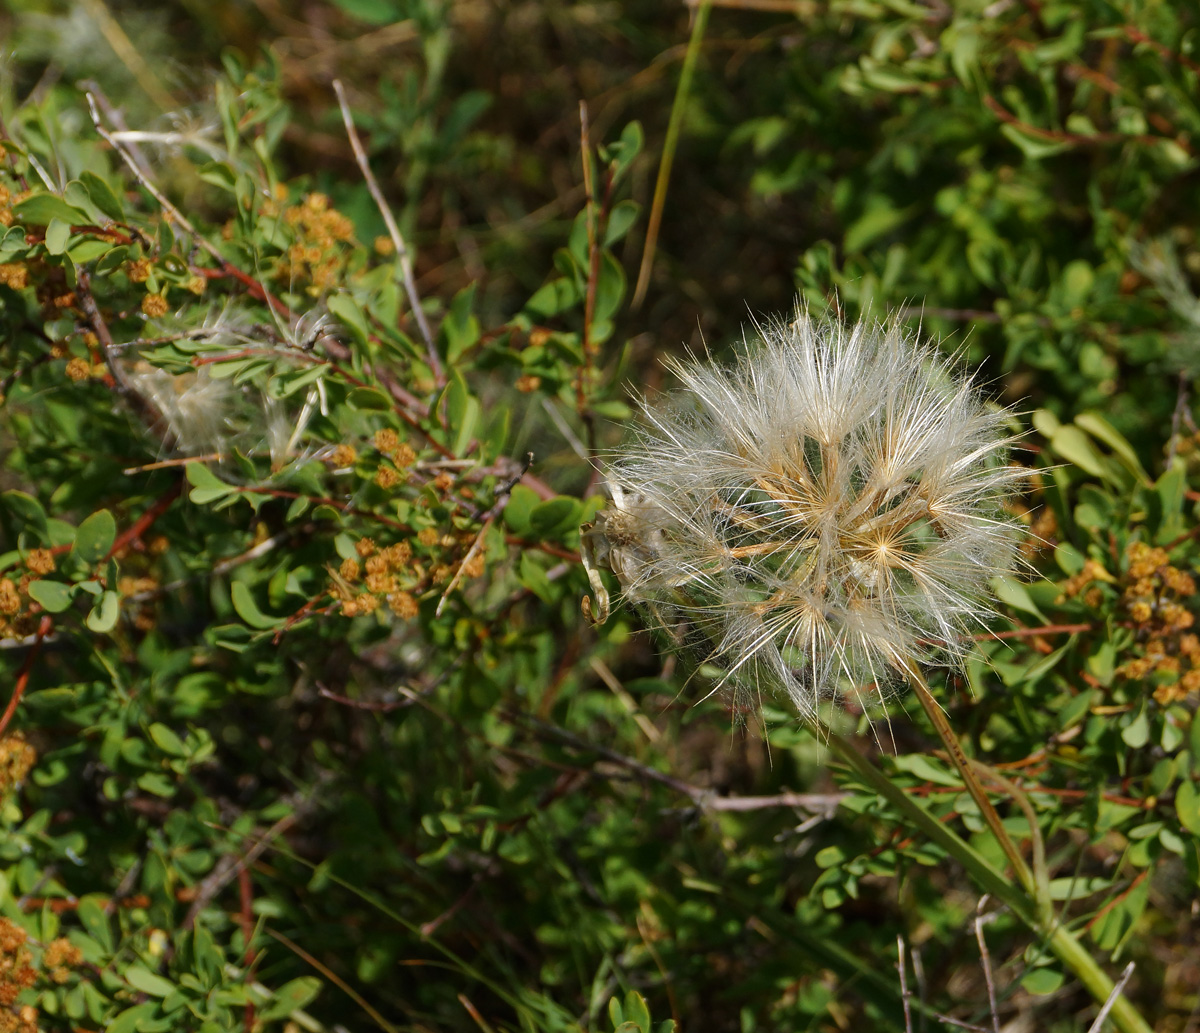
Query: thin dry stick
column 174, row 213
column 402, row 253
column 176, row 216
column 903, row 969
column 502, row 496
column 1112, row 999
column 980, row 920
column 938, row 718
column 333, row 977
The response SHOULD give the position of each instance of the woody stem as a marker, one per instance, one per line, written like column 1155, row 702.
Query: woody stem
column 938, row 718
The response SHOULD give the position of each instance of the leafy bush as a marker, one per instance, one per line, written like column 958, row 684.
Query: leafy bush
column 304, row 728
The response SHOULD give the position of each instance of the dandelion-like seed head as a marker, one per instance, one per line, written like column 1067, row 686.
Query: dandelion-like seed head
column 817, row 516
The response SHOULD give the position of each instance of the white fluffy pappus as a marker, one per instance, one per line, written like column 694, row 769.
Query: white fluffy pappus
column 817, row 516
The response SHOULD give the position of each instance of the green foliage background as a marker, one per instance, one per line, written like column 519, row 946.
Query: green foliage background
column 271, row 793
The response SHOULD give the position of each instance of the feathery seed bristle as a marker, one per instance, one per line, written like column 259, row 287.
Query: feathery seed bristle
column 817, row 513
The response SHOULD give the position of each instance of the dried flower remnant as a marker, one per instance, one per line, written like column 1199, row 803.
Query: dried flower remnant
column 816, row 513
column 17, row 758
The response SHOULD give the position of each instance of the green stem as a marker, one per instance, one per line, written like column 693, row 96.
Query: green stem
column 1058, row 937
column 674, row 125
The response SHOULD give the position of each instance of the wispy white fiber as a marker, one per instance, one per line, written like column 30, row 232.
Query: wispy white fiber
column 819, row 513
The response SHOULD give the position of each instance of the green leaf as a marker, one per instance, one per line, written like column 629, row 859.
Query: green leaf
column 460, row 327
column 1187, row 806
column 95, row 921
column 1136, row 734
column 636, row 1011
column 350, row 315
column 1098, row 427
column 89, row 250
column 880, row 218
column 620, row 219
column 1042, row 981
column 53, row 596
column 141, row 1018
column 27, row 510
column 1034, row 147
column 521, row 503
column 207, row 486
column 533, row 577
column 555, row 516
column 247, row 608
column 58, row 234
column 41, row 209
column 1012, row 593
column 102, row 196
column 166, row 740
column 1074, row 446
column 103, row 616
column 94, row 538
column 148, row 982
column 610, row 289
column 291, row 997
column 462, row 412
column 553, row 297
column 369, row 399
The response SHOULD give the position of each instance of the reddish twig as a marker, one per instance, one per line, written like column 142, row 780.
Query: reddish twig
column 1135, row 35
column 1048, row 629
column 362, row 704
column 144, row 522
column 1141, row 876
column 1059, row 136
column 44, row 629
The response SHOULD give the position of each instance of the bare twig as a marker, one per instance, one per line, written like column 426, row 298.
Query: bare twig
column 627, row 701
column 980, row 920
column 704, row 799
column 175, row 215
column 402, row 252
column 902, row 968
column 501, row 500
column 229, row 867
column 1096, row 1026
column 1181, row 399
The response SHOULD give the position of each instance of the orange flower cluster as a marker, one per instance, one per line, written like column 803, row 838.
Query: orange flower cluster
column 1153, row 597
column 315, row 255
column 386, row 573
column 401, row 454
column 59, row 958
column 14, row 275
column 40, row 561
column 18, row 613
column 16, row 974
column 1092, row 571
